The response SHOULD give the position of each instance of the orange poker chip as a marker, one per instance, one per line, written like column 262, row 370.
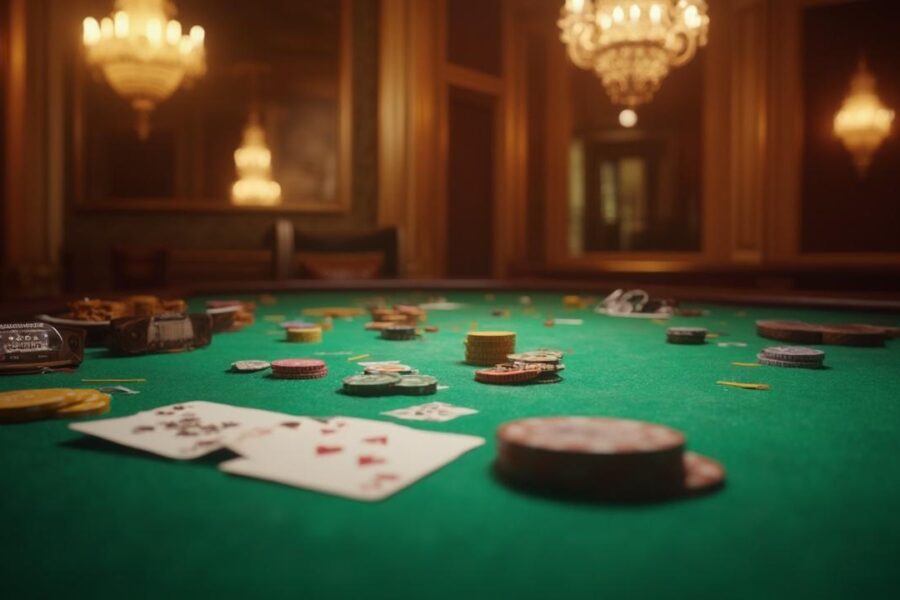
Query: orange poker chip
column 505, row 376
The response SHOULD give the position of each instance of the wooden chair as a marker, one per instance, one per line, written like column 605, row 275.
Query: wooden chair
column 346, row 255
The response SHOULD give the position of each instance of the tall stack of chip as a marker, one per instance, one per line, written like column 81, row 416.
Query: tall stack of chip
column 603, row 458
column 305, row 335
column 485, row 348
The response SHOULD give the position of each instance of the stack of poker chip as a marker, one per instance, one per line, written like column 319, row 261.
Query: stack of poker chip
column 538, row 366
column 299, row 368
column 792, row 356
column 309, row 334
column 798, row 332
column 602, row 459
column 55, row 403
column 401, row 314
column 686, row 335
column 388, row 379
column 399, row 333
column 485, row 348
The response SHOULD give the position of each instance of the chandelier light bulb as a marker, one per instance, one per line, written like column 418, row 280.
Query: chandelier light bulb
column 633, row 45
column 628, row 118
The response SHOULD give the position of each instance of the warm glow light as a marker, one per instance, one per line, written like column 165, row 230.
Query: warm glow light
column 142, row 53
column 633, row 45
column 863, row 122
column 253, row 162
column 628, row 118
column 198, row 34
column 91, row 32
column 121, row 24
column 154, row 32
column 173, row 32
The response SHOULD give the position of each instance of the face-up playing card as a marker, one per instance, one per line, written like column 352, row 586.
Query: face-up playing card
column 356, row 458
column 184, row 431
column 433, row 411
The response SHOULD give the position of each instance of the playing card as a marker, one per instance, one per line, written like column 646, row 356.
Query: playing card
column 354, row 458
column 186, row 430
column 433, row 411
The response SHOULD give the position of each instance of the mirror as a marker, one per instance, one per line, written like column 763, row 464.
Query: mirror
column 288, row 58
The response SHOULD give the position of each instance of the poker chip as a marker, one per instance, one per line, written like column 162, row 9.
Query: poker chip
column 30, row 405
column 92, row 405
column 305, row 335
column 602, row 458
column 853, row 335
column 536, row 356
column 417, row 385
column 762, row 359
column 501, row 375
column 299, row 368
column 399, row 333
column 337, row 312
column 486, row 348
column 794, row 354
column 686, row 335
column 796, row 332
column 394, row 368
column 249, row 366
column 379, row 384
column 297, row 325
column 378, row 325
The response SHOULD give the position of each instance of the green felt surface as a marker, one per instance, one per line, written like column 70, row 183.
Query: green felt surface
column 811, row 508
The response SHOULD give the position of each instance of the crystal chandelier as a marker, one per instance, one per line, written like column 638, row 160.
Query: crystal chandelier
column 253, row 162
column 863, row 122
column 142, row 54
column 633, row 44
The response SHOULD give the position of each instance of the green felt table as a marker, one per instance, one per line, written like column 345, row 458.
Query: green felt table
column 811, row 507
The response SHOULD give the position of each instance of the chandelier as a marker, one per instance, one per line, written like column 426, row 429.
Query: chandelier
column 863, row 122
column 633, row 44
column 253, row 162
column 142, row 54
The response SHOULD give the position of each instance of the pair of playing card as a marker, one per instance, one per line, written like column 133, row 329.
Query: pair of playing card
column 356, row 458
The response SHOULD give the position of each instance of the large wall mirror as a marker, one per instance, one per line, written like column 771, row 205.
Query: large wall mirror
column 288, row 59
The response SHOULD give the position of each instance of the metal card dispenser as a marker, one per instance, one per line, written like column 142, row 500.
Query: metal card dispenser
column 32, row 347
column 160, row 333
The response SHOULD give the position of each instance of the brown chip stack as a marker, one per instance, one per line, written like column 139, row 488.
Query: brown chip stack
column 603, row 458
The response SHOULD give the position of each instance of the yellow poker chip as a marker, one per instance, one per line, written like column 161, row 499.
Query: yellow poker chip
column 28, row 405
column 337, row 312
column 88, row 408
column 37, row 399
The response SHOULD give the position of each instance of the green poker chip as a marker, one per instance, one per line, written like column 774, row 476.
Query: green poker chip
column 417, row 385
column 376, row 384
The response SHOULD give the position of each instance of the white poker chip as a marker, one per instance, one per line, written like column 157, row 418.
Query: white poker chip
column 249, row 366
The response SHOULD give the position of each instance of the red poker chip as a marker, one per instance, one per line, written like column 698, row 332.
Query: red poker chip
column 311, row 375
column 297, row 365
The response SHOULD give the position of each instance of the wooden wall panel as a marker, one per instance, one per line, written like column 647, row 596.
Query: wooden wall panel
column 471, row 184
column 749, row 112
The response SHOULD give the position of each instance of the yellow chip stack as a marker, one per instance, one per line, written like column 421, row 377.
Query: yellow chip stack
column 487, row 348
column 32, row 405
column 305, row 335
